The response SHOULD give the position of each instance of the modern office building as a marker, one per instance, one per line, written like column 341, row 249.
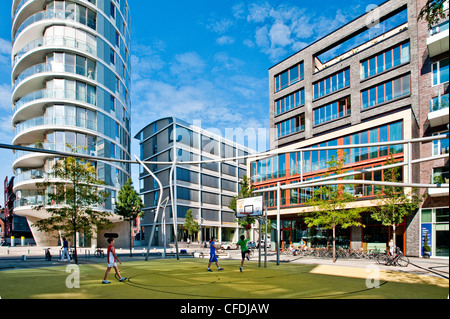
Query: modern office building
column 206, row 189
column 71, row 86
column 362, row 83
column 433, row 53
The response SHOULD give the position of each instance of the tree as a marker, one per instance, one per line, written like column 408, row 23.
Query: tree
column 129, row 205
column 432, row 12
column 190, row 224
column 330, row 204
column 393, row 204
column 246, row 190
column 72, row 191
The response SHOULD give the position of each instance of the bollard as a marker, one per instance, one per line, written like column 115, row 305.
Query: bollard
column 24, row 258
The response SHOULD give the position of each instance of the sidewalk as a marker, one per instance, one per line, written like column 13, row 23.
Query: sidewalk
column 33, row 257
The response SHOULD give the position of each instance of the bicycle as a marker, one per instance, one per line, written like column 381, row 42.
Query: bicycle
column 99, row 253
column 399, row 259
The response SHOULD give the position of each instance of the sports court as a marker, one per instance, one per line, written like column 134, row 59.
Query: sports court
column 188, row 279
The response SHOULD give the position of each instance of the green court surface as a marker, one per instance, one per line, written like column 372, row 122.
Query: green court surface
column 188, row 279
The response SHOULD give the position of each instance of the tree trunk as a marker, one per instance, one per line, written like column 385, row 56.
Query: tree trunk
column 334, row 244
column 393, row 235
column 131, row 239
column 75, row 256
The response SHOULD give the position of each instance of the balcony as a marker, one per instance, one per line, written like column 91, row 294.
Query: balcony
column 440, row 176
column 437, row 41
column 439, row 107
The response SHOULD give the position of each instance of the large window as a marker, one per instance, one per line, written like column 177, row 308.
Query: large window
column 293, row 125
column 385, row 60
column 315, row 160
column 386, row 92
column 332, row 111
column 290, row 102
column 289, row 77
column 440, row 72
column 441, row 147
column 332, row 83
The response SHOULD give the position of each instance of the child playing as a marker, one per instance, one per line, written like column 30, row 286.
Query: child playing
column 244, row 250
column 212, row 253
column 111, row 258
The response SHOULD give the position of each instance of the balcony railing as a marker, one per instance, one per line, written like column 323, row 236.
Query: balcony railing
column 56, row 120
column 55, row 14
column 439, row 103
column 56, row 41
column 58, row 94
column 55, row 67
column 439, row 28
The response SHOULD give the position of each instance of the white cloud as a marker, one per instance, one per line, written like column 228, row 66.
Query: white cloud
column 219, row 26
column 187, row 64
column 280, row 35
column 5, row 97
column 225, row 40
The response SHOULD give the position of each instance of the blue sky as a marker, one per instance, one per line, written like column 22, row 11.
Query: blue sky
column 205, row 62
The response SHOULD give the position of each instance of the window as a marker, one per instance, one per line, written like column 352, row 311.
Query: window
column 441, row 147
column 290, row 102
column 385, row 92
column 332, row 111
column 112, row 56
column 289, row 77
column 293, row 125
column 440, row 72
column 331, row 84
column 112, row 10
column 385, row 60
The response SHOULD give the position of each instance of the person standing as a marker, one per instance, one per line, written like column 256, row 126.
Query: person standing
column 111, row 259
column 212, row 254
column 244, row 250
column 65, row 249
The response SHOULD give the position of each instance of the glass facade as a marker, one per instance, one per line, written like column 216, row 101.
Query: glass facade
column 386, row 91
column 331, row 84
column 332, row 111
column 313, row 164
column 205, row 188
column 435, row 232
column 290, row 102
column 66, row 91
column 289, row 77
column 385, row 61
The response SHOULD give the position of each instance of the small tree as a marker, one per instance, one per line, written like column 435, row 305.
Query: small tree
column 245, row 192
column 432, row 12
column 72, row 190
column 190, row 224
column 393, row 204
column 330, row 204
column 129, row 205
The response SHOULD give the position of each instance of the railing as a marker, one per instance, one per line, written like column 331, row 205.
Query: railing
column 56, row 41
column 439, row 103
column 55, row 67
column 56, row 120
column 58, row 94
column 439, row 28
column 55, row 14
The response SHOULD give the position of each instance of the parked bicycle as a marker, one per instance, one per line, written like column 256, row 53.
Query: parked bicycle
column 99, row 253
column 399, row 259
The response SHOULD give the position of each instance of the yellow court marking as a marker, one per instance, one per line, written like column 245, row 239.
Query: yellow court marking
column 382, row 275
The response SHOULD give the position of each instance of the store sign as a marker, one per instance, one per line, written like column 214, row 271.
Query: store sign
column 426, row 239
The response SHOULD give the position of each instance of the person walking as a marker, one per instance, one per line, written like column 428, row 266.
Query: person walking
column 244, row 250
column 212, row 254
column 111, row 259
column 65, row 250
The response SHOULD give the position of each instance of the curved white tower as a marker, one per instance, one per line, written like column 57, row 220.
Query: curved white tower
column 71, row 85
